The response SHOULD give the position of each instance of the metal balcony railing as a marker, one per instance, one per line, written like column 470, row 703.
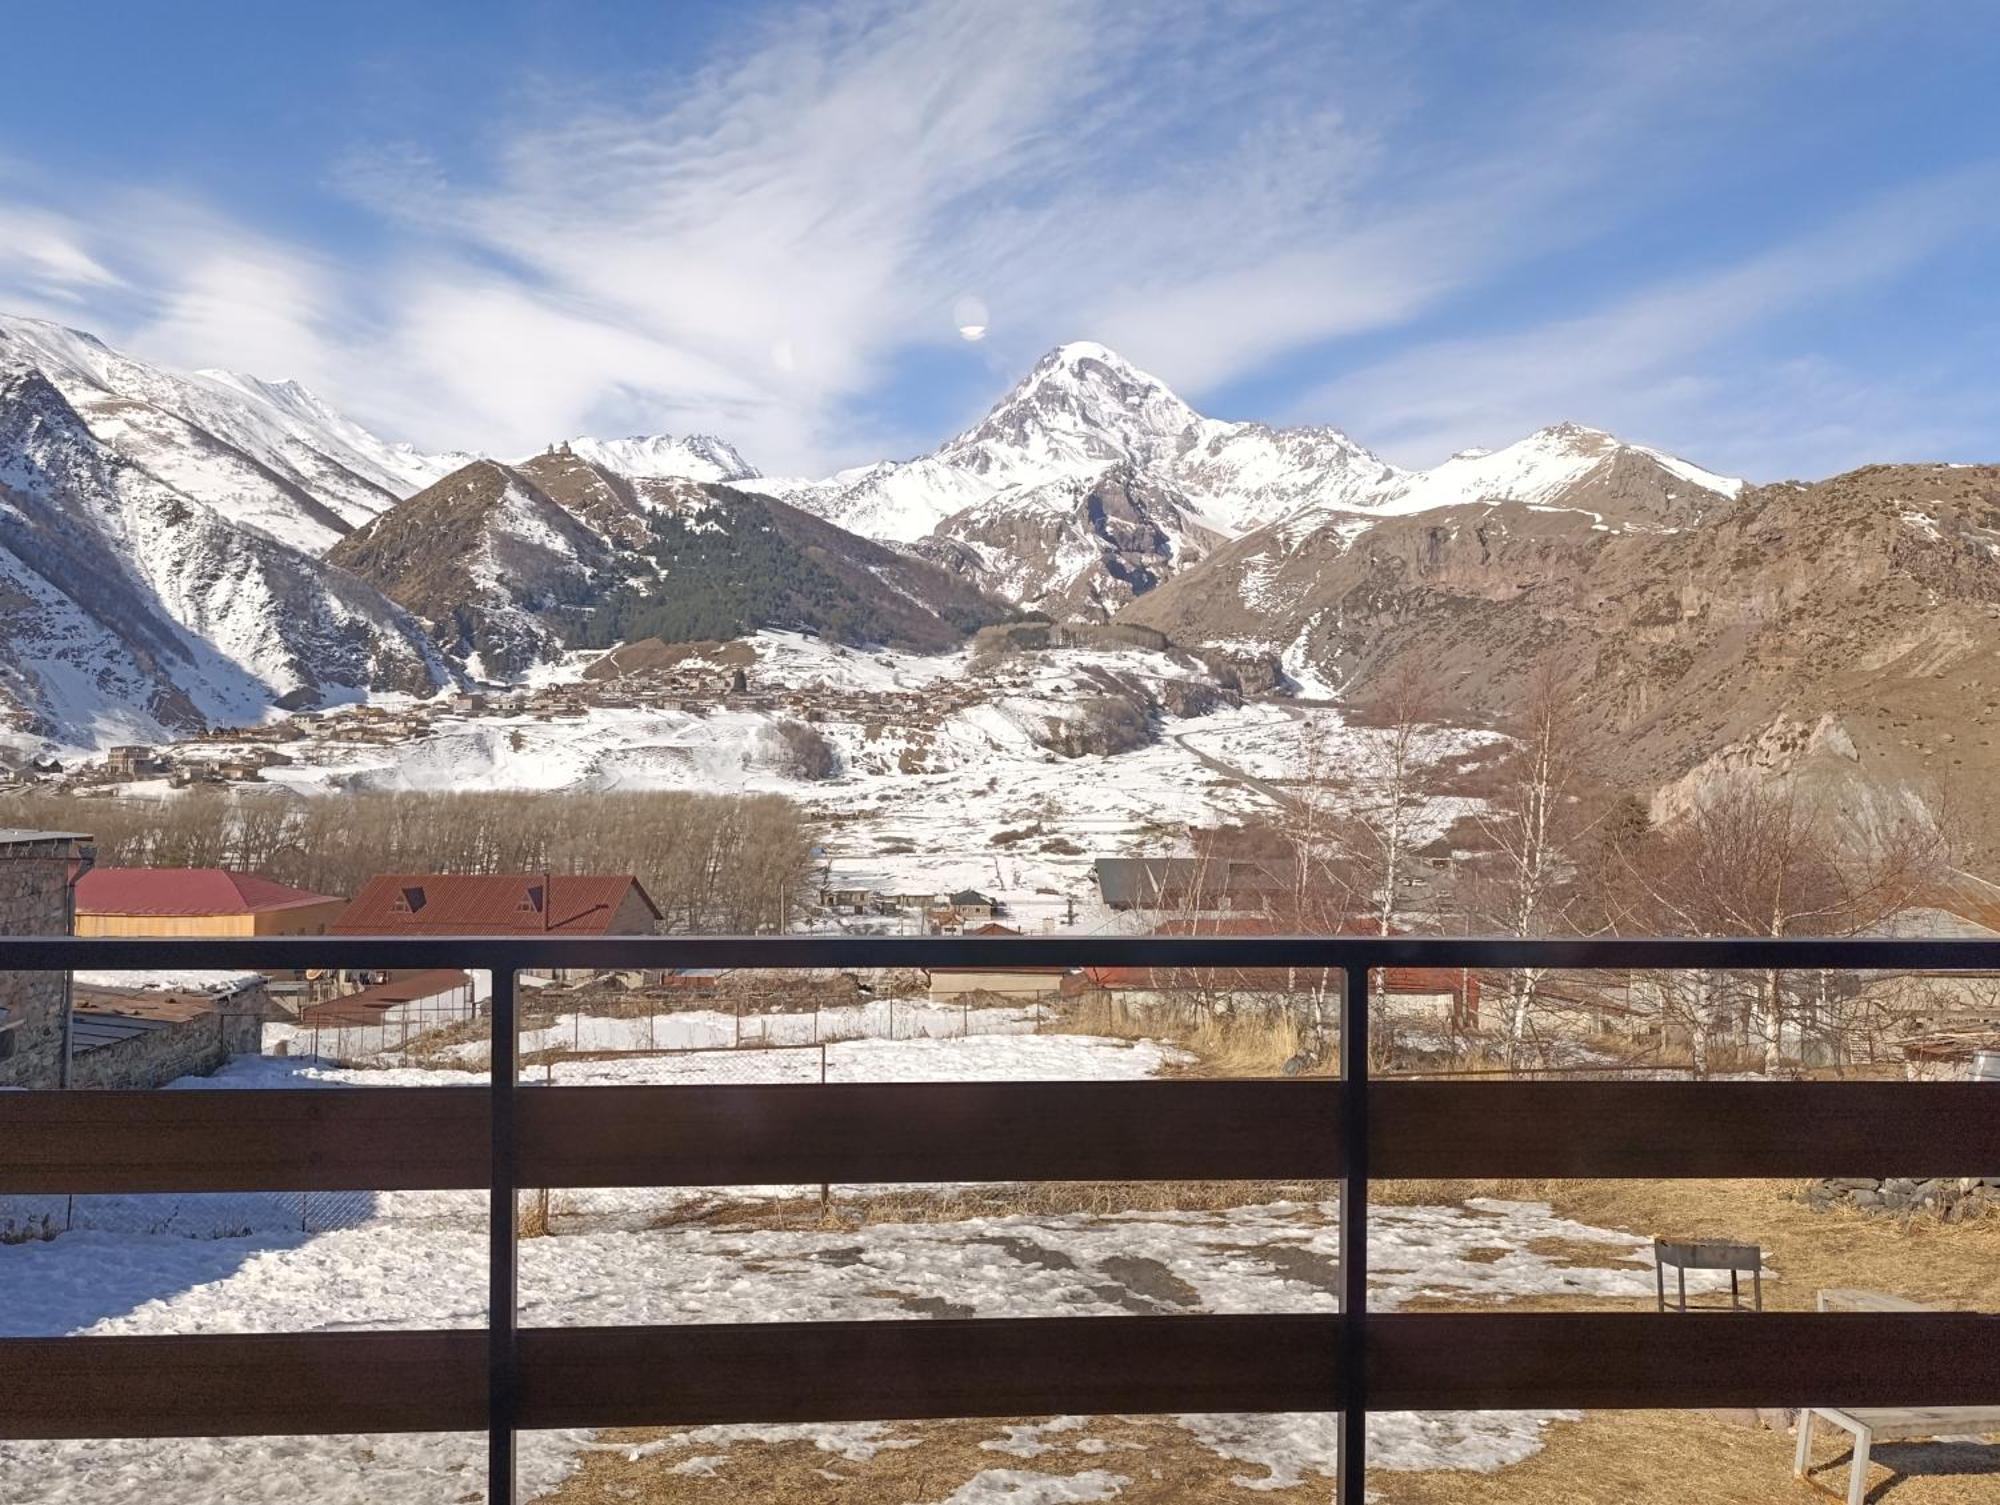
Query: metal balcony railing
column 1348, row 1130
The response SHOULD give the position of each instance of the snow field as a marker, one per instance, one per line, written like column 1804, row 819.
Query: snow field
column 415, row 1259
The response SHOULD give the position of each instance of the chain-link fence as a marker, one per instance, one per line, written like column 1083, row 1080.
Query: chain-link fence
column 196, row 1215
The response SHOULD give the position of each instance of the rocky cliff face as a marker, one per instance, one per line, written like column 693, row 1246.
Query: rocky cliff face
column 1862, row 612
column 265, row 455
column 510, row 565
column 1074, row 549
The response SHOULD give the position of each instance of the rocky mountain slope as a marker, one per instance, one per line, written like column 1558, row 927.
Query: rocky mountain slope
column 510, row 565
column 1083, row 411
column 129, row 608
column 488, row 561
column 1851, row 626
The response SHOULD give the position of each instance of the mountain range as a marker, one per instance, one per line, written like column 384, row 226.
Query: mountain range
column 182, row 550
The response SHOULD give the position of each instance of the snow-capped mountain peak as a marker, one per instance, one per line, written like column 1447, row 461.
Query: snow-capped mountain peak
column 270, row 455
column 1081, row 407
column 694, row 457
column 1080, row 412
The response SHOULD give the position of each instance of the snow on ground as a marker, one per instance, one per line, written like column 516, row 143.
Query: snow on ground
column 415, row 1260
column 943, row 783
column 170, row 981
column 400, row 1271
column 915, row 807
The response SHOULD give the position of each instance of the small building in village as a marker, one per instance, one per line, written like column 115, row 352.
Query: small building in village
column 1193, row 885
column 143, row 1029
column 500, row 904
column 200, row 901
column 516, row 904
column 959, row 984
column 388, row 1015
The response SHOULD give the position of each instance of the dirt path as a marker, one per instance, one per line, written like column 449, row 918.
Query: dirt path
column 1284, row 800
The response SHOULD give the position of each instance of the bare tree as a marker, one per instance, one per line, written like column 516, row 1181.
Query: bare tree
column 711, row 862
column 1371, row 819
column 1760, row 858
column 1531, row 830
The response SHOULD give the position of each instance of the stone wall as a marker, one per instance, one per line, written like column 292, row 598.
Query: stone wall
column 33, row 901
column 191, row 1047
column 1952, row 1198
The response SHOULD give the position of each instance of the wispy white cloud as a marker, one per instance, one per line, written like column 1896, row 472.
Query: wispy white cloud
column 754, row 247
column 1663, row 362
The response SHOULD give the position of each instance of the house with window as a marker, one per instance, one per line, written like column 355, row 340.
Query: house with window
column 500, row 904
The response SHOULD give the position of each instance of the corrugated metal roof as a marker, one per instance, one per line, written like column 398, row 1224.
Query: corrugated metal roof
column 102, row 1019
column 12, row 836
column 186, row 891
column 368, row 1005
column 490, row 904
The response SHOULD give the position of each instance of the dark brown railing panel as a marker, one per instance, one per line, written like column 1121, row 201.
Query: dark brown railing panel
column 435, row 1137
column 508, row 1135
column 331, row 1383
column 1511, row 1361
column 901, row 1371
column 292, row 1139
column 1444, row 1130
column 930, row 1132
column 243, row 1385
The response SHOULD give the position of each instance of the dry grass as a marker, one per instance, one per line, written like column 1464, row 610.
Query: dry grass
column 1953, row 1265
column 1163, row 1463
column 1644, row 1456
column 852, row 1208
column 1606, row 1456
column 1249, row 1044
column 1609, row 1456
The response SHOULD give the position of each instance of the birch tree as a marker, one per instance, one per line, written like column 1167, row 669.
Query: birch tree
column 1531, row 829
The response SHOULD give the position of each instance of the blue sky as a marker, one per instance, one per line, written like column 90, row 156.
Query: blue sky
column 1766, row 236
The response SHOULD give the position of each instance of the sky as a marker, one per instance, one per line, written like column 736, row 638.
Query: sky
column 1765, row 236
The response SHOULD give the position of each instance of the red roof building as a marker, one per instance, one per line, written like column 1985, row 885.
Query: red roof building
column 500, row 904
column 196, row 901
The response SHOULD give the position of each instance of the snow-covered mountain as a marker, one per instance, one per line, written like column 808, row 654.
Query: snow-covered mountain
column 1080, row 412
column 1018, row 503
column 479, row 557
column 267, row 455
column 130, row 608
column 697, row 457
column 511, row 565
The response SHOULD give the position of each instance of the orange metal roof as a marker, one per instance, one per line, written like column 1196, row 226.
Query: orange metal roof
column 186, row 891
column 490, row 904
column 368, row 1005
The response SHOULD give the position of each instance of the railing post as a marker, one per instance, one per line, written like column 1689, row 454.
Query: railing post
column 502, row 1358
column 1354, row 1236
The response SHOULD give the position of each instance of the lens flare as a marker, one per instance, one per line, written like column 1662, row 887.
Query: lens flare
column 969, row 314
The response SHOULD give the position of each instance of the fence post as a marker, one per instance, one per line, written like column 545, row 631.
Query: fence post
column 503, row 1213
column 1353, row 1453
column 825, row 1188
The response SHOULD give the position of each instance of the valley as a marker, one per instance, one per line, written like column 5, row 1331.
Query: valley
column 183, row 555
